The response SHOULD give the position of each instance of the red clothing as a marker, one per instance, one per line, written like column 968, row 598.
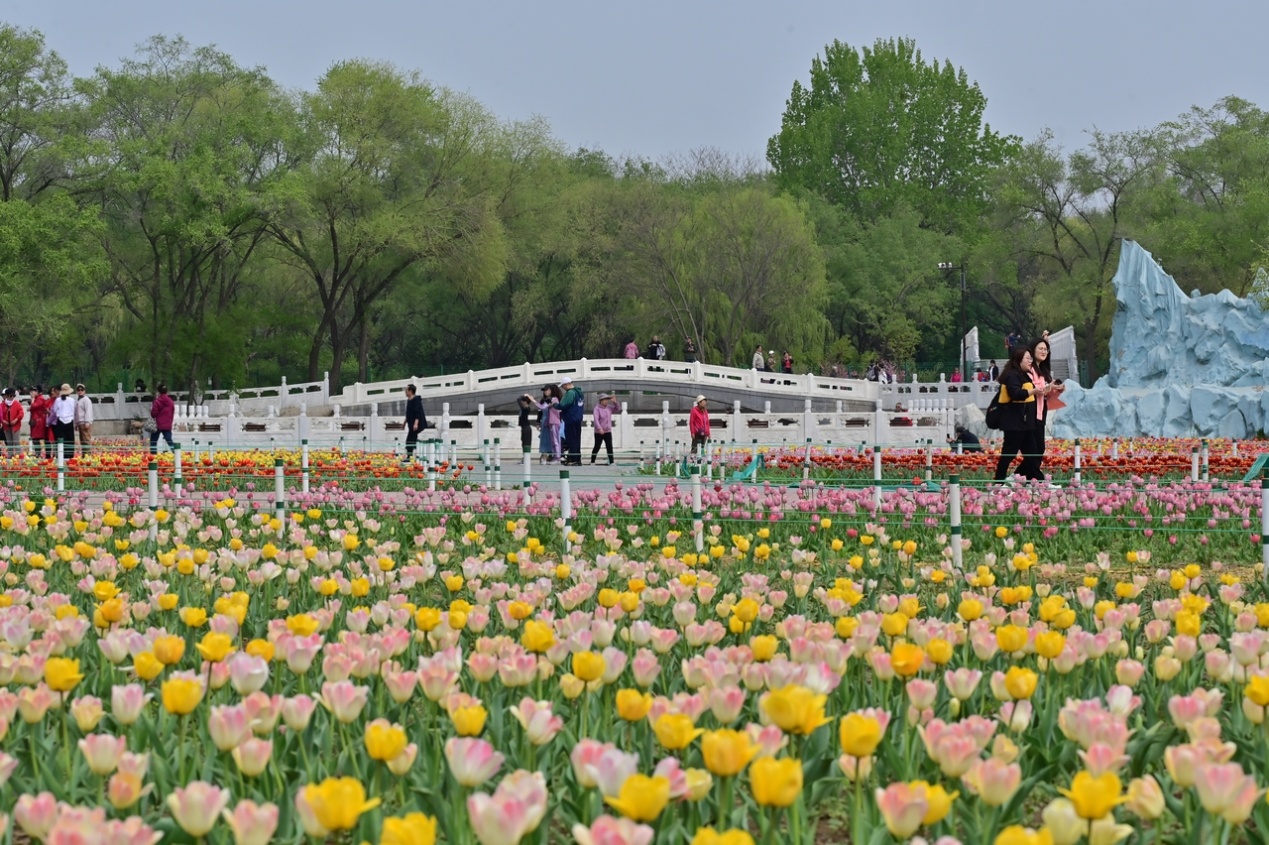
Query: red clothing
column 39, row 416
column 11, row 414
column 698, row 421
column 163, row 410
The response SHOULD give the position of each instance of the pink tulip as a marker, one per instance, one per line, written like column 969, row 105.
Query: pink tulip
column 228, row 726
column 127, row 702
column 36, row 815
column 514, row 810
column 34, row 702
column 993, row 781
column 903, row 807
column 726, row 704
column 87, row 711
column 1226, row 789
column 251, row 823
column 247, row 673
column 401, row 763
column 584, row 757
column 252, row 756
column 297, row 711
column 263, row 712
column 102, row 752
column 473, row 761
column 344, row 700
column 196, row 806
column 607, row 830
column 611, row 770
column 540, row 725
column 962, row 682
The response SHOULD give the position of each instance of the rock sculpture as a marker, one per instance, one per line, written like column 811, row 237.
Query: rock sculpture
column 1179, row 365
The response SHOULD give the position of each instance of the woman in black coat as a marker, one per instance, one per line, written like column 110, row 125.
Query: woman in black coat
column 1017, row 416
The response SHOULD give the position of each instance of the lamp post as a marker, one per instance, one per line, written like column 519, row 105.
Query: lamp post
column 945, row 266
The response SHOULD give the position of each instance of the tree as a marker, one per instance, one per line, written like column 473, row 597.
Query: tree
column 1071, row 213
column 724, row 266
column 886, row 294
column 187, row 146
column 48, row 263
column 390, row 184
column 1209, row 219
column 35, row 114
column 879, row 129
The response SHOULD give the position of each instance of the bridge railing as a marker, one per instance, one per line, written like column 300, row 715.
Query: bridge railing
column 705, row 378
column 644, row 431
column 526, row 377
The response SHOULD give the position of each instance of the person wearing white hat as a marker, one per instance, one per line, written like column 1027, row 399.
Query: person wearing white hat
column 601, row 418
column 698, row 424
column 63, row 419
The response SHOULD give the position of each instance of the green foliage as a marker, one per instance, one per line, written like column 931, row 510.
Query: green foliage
column 878, row 130
column 180, row 217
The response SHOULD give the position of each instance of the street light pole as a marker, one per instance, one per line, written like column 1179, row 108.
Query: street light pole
column 947, row 265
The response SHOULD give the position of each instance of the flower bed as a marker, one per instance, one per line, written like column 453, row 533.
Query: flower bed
column 427, row 667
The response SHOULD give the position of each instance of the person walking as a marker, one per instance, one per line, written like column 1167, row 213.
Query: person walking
column 525, row 403
column 1017, row 416
column 601, row 419
column 549, row 422
column 759, row 361
column 63, row 418
column 572, row 412
column 689, row 350
column 41, row 404
column 83, row 419
column 415, row 420
column 698, row 424
column 11, row 414
column 632, row 350
column 163, row 412
column 1047, row 401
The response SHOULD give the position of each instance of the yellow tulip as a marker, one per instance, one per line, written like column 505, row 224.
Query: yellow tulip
column 775, row 782
column 410, row 829
column 727, row 752
column 384, row 740
column 181, row 695
column 337, row 803
column 216, row 646
column 641, row 798
column 860, row 734
column 588, row 666
column 147, row 666
column 675, row 731
column 633, row 705
column 1020, row 682
column 62, row 674
column 1094, row 797
column 469, row 721
column 795, row 709
column 907, row 659
column 537, row 637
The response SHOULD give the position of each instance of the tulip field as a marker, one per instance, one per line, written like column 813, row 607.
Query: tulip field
column 375, row 662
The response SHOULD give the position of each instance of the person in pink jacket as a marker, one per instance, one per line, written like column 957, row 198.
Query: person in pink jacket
column 698, row 424
column 162, row 411
column 601, row 418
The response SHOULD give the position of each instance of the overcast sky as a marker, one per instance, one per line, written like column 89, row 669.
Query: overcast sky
column 653, row 77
